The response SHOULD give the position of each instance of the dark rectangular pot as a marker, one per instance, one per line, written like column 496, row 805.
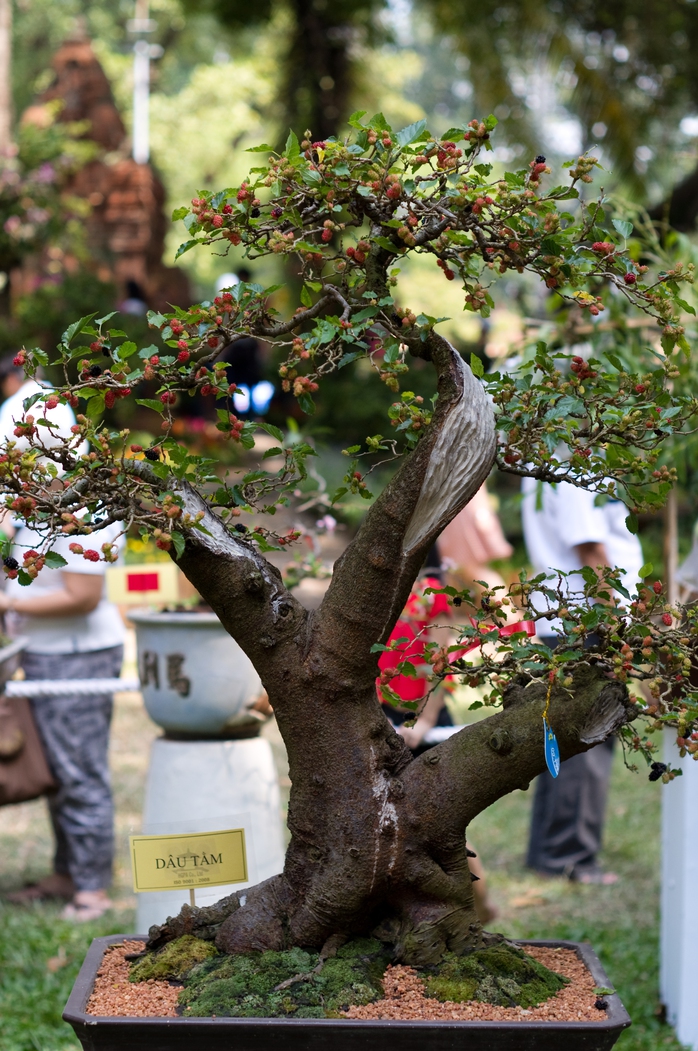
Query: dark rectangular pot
column 318, row 1034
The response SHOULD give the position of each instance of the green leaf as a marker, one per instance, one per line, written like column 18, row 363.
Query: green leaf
column 364, row 191
column 179, row 213
column 151, row 403
column 355, row 119
column 306, row 298
column 28, row 402
column 623, row 227
column 260, row 149
column 632, row 522
column 24, row 578
column 95, row 406
column 125, row 350
column 589, row 575
column 307, row 404
column 179, row 543
column 550, row 246
column 275, row 432
column 476, row 366
column 292, row 148
column 187, row 245
column 646, row 570
column 685, row 306
column 161, row 470
column 411, row 133
column 76, row 327
column 107, row 317
column 385, row 243
column 379, row 123
column 310, row 176
column 54, row 560
column 347, row 358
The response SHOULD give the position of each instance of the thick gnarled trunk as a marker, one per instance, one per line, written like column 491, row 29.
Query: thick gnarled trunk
column 378, row 838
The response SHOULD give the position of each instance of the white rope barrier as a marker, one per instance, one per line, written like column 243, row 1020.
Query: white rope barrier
column 93, row 687
column 63, row 687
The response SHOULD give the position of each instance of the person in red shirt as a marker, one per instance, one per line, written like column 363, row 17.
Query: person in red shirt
column 420, row 612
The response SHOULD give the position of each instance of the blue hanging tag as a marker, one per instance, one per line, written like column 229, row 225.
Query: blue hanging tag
column 552, row 751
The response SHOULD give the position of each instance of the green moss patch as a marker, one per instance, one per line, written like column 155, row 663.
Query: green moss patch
column 246, row 986
column 174, row 961
column 499, row 975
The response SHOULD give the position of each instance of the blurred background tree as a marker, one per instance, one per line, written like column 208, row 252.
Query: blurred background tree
column 560, row 77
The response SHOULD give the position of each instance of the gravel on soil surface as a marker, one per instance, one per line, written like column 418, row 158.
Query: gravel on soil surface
column 405, row 999
column 115, row 996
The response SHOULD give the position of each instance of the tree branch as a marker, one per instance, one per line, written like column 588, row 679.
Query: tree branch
column 244, row 590
column 483, row 762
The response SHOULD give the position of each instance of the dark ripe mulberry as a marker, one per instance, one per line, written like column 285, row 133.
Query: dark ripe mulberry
column 255, row 213
column 657, row 770
column 600, row 1004
column 540, row 159
column 10, row 562
column 95, row 370
column 240, row 528
column 152, row 454
column 457, row 601
column 106, row 351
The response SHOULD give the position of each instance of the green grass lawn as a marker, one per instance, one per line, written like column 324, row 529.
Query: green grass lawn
column 40, row 954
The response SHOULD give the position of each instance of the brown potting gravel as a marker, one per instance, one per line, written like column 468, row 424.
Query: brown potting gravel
column 404, row 999
column 114, row 996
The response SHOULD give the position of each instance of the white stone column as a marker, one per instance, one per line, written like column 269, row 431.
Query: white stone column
column 204, row 786
column 679, row 947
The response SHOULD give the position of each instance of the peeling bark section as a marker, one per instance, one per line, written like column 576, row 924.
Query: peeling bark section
column 372, row 579
column 464, row 448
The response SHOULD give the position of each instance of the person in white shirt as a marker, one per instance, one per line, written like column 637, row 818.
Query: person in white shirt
column 564, row 529
column 74, row 632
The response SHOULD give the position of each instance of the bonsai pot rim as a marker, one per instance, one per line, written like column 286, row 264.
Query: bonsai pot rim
column 108, row 1033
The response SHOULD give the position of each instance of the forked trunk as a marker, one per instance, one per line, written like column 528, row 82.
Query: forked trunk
column 378, row 838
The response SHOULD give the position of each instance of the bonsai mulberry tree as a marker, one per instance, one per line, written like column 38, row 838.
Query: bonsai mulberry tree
column 377, row 836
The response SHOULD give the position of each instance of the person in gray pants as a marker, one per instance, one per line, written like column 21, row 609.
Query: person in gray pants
column 72, row 631
column 564, row 529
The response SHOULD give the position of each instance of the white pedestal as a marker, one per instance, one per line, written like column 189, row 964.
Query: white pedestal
column 679, row 948
column 204, row 786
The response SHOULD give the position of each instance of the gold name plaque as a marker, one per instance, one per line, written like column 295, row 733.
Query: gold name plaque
column 194, row 859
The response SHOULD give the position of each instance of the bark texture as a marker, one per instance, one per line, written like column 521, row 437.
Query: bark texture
column 378, row 838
